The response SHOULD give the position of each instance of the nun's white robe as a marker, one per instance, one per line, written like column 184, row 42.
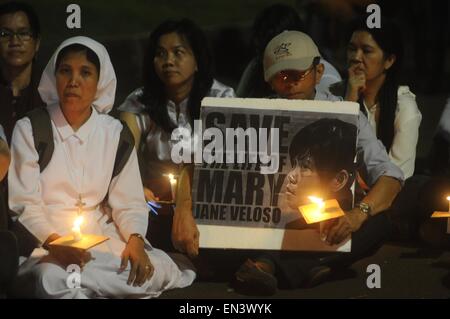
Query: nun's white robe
column 46, row 203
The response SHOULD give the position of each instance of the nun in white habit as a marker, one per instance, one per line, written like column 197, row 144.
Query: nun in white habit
column 78, row 86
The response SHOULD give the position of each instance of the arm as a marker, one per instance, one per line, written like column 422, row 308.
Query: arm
column 26, row 200
column 131, row 120
column 403, row 150
column 380, row 198
column 373, row 154
column 24, row 183
column 5, row 159
column 384, row 177
column 407, row 123
column 382, row 194
column 185, row 234
column 130, row 214
column 126, row 198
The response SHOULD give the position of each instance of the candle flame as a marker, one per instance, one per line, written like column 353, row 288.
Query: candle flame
column 172, row 178
column 448, row 198
column 78, row 222
column 317, row 200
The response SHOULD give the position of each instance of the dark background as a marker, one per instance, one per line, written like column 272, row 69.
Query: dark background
column 123, row 26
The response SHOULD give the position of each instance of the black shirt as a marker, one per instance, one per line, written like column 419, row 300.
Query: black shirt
column 12, row 108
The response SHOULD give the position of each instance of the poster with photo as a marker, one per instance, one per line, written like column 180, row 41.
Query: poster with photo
column 261, row 159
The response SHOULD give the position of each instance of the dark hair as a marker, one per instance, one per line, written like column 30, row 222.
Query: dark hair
column 154, row 95
column 330, row 143
column 91, row 56
column 389, row 39
column 271, row 21
column 13, row 7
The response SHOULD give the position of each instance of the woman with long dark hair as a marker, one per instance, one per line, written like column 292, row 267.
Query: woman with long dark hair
column 177, row 76
column 374, row 57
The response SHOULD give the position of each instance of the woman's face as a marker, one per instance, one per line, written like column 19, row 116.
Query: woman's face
column 17, row 50
column 76, row 82
column 365, row 52
column 174, row 61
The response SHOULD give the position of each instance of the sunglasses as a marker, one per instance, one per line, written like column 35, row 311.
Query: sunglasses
column 292, row 76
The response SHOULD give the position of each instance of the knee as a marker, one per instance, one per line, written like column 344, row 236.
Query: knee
column 382, row 226
column 50, row 279
column 372, row 234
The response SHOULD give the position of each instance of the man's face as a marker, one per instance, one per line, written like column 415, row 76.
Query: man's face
column 17, row 48
column 298, row 85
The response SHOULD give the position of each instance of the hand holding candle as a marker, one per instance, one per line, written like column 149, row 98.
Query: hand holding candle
column 320, row 211
column 76, row 239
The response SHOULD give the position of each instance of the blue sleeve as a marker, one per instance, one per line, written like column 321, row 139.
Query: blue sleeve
column 374, row 156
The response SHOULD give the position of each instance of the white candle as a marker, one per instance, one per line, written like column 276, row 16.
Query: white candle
column 320, row 206
column 319, row 203
column 76, row 229
column 448, row 198
column 173, row 186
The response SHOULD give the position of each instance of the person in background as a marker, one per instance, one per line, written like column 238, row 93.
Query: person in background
column 293, row 74
column 270, row 22
column 177, row 76
column 19, row 78
column 374, row 58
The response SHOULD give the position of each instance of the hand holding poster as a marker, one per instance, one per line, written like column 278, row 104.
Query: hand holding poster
column 262, row 158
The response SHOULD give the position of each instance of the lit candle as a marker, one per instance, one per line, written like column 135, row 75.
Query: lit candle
column 173, row 186
column 319, row 203
column 76, row 229
column 448, row 198
column 318, row 212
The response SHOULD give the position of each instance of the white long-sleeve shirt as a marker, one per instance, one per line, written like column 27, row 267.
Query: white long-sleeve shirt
column 82, row 163
column 406, row 130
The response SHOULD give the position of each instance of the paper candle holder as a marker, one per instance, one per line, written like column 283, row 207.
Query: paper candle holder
column 312, row 214
column 86, row 242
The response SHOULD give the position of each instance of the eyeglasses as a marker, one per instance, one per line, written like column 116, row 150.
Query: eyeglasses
column 292, row 76
column 7, row 35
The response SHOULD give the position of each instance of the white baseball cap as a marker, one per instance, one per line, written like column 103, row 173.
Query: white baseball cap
column 290, row 50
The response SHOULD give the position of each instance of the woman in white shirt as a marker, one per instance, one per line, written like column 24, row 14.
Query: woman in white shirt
column 374, row 57
column 177, row 76
column 78, row 85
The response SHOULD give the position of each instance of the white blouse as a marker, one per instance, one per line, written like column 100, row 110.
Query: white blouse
column 156, row 142
column 406, row 130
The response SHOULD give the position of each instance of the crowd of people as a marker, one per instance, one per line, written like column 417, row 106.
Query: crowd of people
column 60, row 150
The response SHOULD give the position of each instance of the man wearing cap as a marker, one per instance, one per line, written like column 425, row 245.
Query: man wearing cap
column 292, row 67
